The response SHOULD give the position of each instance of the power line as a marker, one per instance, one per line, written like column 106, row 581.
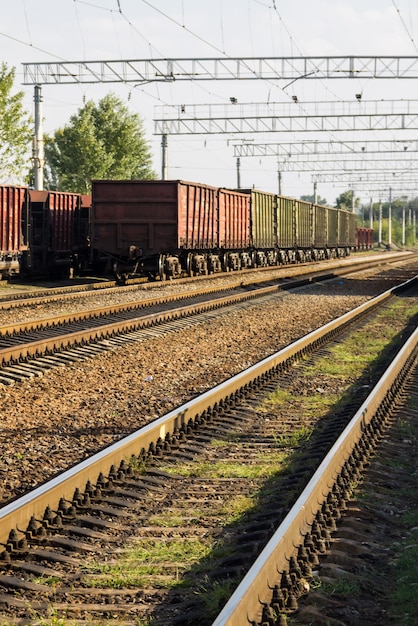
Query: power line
column 404, row 25
column 30, row 45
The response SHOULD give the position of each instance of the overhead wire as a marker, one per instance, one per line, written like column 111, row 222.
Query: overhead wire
column 27, row 21
column 31, row 45
column 395, row 135
column 118, row 9
column 80, row 29
column 294, row 43
column 274, row 6
column 405, row 26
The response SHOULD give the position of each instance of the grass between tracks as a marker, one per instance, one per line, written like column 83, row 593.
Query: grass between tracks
column 391, row 579
column 404, row 599
column 396, row 583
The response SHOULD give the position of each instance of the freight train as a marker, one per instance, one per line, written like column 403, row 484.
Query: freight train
column 165, row 229
column 41, row 232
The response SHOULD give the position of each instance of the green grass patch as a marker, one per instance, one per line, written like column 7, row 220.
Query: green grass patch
column 231, row 438
column 55, row 617
column 214, row 595
column 350, row 359
column 264, row 466
column 229, row 511
column 166, row 520
column 233, row 509
column 404, row 597
column 286, row 403
column 50, row 581
column 277, row 397
column 149, row 562
column 344, row 587
column 294, row 439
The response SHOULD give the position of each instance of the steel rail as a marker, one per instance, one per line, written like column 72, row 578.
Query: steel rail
column 108, row 329
column 255, row 590
column 113, row 309
column 16, row 300
column 25, row 350
column 17, row 514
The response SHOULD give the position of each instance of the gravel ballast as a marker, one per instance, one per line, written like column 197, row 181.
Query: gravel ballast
column 50, row 423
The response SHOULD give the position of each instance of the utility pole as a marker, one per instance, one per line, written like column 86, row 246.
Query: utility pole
column 380, row 223
column 38, row 157
column 238, row 173
column 403, row 225
column 315, row 192
column 371, row 213
column 164, row 157
column 390, row 218
column 279, row 177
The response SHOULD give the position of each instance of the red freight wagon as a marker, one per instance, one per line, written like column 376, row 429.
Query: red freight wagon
column 155, row 227
column 13, row 221
column 364, row 238
column 52, row 232
column 234, row 228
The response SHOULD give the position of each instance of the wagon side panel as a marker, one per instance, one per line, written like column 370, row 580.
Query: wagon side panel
column 320, row 229
column 263, row 220
column 12, row 206
column 286, row 222
column 234, row 219
column 139, row 214
column 198, row 221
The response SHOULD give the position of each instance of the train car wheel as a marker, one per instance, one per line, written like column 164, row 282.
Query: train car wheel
column 189, row 265
column 161, row 267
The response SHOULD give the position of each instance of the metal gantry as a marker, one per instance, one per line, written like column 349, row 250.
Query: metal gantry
column 317, row 148
column 356, row 166
column 384, row 176
column 305, row 118
column 284, row 117
column 220, row 68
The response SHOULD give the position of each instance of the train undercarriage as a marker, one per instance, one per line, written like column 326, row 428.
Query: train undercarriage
column 198, row 263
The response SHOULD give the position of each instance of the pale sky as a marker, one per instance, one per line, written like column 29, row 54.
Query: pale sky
column 86, row 30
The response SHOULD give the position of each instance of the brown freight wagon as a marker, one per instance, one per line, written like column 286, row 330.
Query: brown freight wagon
column 154, row 227
column 234, row 228
column 13, row 224
column 364, row 238
column 51, row 229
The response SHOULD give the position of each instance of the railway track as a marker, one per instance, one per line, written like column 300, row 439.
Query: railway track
column 17, row 299
column 368, row 574
column 27, row 349
column 73, row 522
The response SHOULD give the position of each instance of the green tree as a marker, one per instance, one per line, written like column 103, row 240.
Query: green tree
column 321, row 201
column 398, row 206
column 15, row 131
column 100, row 141
column 345, row 201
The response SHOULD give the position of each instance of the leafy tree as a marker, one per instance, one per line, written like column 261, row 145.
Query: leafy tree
column 398, row 206
column 15, row 131
column 345, row 201
column 100, row 141
column 319, row 200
